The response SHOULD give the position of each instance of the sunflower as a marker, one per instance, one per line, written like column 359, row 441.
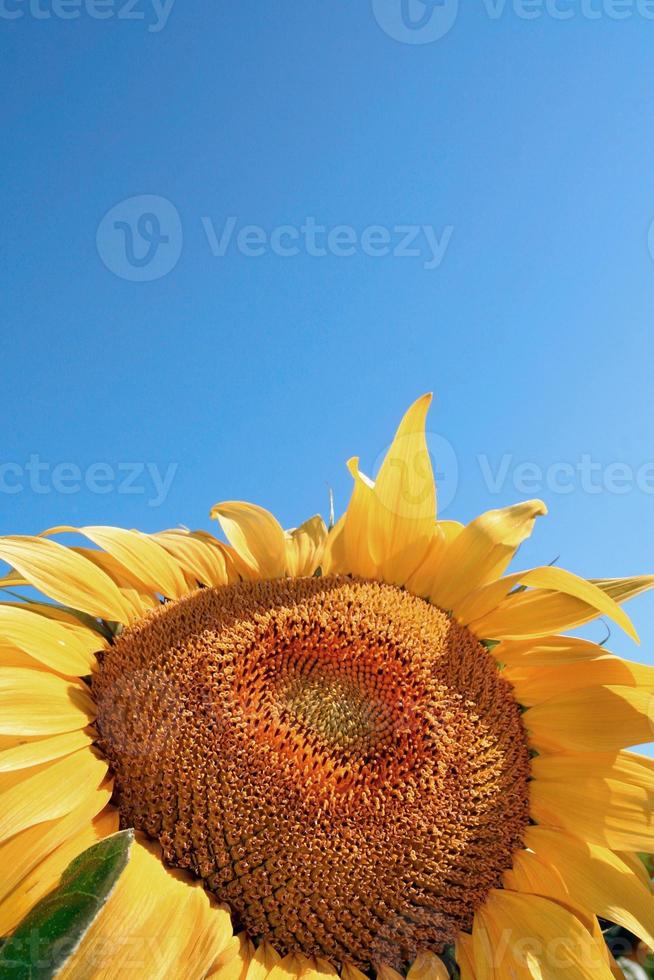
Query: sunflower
column 360, row 750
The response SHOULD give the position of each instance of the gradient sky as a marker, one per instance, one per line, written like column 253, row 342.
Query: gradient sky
column 153, row 364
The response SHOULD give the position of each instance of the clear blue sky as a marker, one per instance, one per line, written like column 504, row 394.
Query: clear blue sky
column 523, row 146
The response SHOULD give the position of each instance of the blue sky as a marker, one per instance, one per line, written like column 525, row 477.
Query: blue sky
column 467, row 214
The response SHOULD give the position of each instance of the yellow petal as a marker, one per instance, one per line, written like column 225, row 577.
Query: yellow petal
column 156, row 924
column 305, row 546
column 428, row 966
column 350, row 972
column 24, row 851
column 34, row 702
column 358, row 529
column 595, row 719
column 30, row 753
column 637, row 866
column 291, row 967
column 533, row 685
column 237, row 570
column 47, row 641
column 405, row 495
column 539, row 612
column 598, row 879
column 622, row 589
column 546, row 651
column 64, row 576
column 600, row 809
column 482, row 551
column 478, row 607
column 320, row 969
column 136, row 599
column 420, row 581
column 46, row 875
column 385, row 972
column 262, row 962
column 48, row 791
column 233, row 962
column 626, row 766
column 333, row 560
column 255, row 534
column 530, row 874
column 205, row 564
column 465, row 956
column 139, row 554
column 517, row 935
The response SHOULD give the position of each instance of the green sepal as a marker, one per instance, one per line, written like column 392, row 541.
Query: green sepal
column 49, row 934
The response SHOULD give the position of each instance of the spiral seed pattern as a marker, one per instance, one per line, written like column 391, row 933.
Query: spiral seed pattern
column 338, row 760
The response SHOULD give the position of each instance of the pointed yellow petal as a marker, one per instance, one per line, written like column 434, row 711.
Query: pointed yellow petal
column 600, row 809
column 150, row 565
column 24, row 851
column 320, row 969
column 233, row 962
column 156, row 924
column 48, row 791
column 205, row 564
column 406, row 498
column 46, row 875
column 482, row 551
column 262, row 962
column 358, row 529
column 420, row 581
column 255, row 534
column 622, row 589
column 546, row 651
column 465, row 956
column 385, row 972
column 428, row 966
column 33, row 702
column 517, row 935
column 478, row 607
column 638, row 770
column 333, row 559
column 64, row 576
column 539, row 612
column 533, row 685
column 34, row 752
column 350, row 972
column 291, row 967
column 531, row 875
column 52, row 643
column 595, row 719
column 305, row 546
column 598, row 879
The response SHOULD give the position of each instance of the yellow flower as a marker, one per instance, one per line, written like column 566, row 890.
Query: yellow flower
column 358, row 748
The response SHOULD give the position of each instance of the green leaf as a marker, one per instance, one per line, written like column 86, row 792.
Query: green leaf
column 52, row 931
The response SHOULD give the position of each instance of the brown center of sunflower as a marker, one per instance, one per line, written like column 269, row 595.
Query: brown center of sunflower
column 338, row 760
